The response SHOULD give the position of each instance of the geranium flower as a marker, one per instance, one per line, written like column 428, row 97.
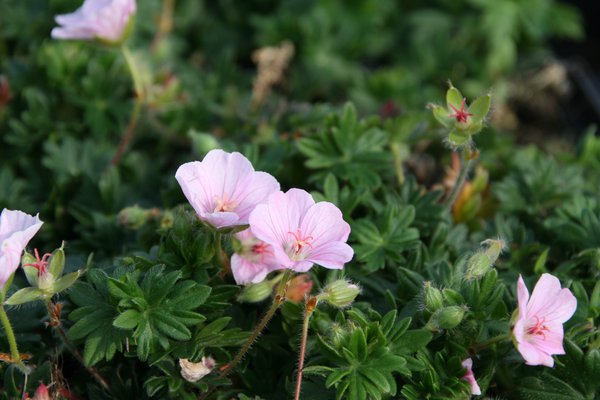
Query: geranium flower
column 224, row 188
column 470, row 377
column 302, row 232
column 16, row 230
column 538, row 331
column 105, row 20
column 254, row 259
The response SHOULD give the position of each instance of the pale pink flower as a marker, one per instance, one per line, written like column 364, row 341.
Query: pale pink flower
column 470, row 377
column 16, row 230
column 538, row 331
column 224, row 188
column 96, row 19
column 254, row 259
column 301, row 231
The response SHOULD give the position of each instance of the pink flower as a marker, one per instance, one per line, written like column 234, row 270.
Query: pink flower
column 224, row 188
column 41, row 393
column 253, row 261
column 470, row 377
column 16, row 230
column 301, row 231
column 105, row 20
column 538, row 331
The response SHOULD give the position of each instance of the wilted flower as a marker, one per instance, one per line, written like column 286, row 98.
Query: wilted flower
column 470, row 377
column 538, row 331
column 253, row 260
column 16, row 230
column 224, row 188
column 193, row 372
column 301, row 231
column 105, row 20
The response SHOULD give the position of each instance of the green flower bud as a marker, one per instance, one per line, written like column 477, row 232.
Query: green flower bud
column 482, row 261
column 256, row 292
column 340, row 293
column 446, row 318
column 432, row 297
column 133, row 217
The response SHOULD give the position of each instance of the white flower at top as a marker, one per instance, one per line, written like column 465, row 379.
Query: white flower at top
column 105, row 20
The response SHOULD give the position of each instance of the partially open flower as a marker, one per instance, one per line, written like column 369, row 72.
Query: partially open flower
column 538, row 330
column 193, row 372
column 470, row 377
column 302, row 232
column 224, row 188
column 16, row 230
column 253, row 260
column 105, row 20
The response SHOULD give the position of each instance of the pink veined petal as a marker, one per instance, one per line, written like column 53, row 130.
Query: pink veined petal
column 245, row 271
column 197, row 187
column 519, row 329
column 72, row 33
column 534, row 356
column 258, row 191
column 325, row 223
column 221, row 219
column 269, row 227
column 560, row 309
column 237, row 176
column 331, row 255
column 544, row 292
column 301, row 266
column 523, row 298
column 551, row 342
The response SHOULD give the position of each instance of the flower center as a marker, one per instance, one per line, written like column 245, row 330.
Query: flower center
column 300, row 243
column 538, row 328
column 40, row 264
column 261, row 248
column 461, row 114
column 224, row 204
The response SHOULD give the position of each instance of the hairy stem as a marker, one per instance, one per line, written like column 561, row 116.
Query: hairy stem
column 57, row 325
column 222, row 256
column 311, row 304
column 465, row 166
column 277, row 302
column 137, row 106
column 12, row 342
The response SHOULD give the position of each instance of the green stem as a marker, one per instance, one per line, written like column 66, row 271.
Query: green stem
column 465, row 166
column 397, row 152
column 487, row 343
column 12, row 342
column 222, row 256
column 140, row 96
column 310, row 306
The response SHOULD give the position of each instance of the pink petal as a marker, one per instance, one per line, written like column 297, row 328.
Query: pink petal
column 198, row 189
column 331, row 255
column 245, row 271
column 534, row 356
column 523, row 298
column 543, row 294
column 551, row 342
column 255, row 192
column 560, row 308
column 222, row 219
column 325, row 223
column 302, row 266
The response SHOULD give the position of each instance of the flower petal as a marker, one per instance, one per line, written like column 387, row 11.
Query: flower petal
column 245, row 271
column 331, row 255
column 523, row 298
column 255, row 192
column 325, row 223
column 546, row 288
column 533, row 355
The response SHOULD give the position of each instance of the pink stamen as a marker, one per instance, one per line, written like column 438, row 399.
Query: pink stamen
column 461, row 114
column 300, row 242
column 40, row 264
column 539, row 328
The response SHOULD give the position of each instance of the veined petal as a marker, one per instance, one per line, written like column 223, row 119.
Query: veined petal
column 324, row 223
column 534, row 356
column 547, row 287
column 551, row 342
column 523, row 298
column 256, row 192
column 332, row 255
column 245, row 271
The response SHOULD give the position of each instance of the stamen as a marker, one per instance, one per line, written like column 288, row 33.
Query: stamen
column 300, row 242
column 223, row 204
column 539, row 328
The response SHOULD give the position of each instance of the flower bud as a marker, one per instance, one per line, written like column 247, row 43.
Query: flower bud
column 340, row 293
column 298, row 288
column 193, row 372
column 446, row 318
column 256, row 292
column 432, row 297
column 133, row 217
column 41, row 393
column 482, row 261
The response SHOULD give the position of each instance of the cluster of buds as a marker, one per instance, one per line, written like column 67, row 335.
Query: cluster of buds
column 464, row 121
column 45, row 275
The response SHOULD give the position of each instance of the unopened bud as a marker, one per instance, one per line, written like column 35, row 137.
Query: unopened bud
column 298, row 288
column 256, row 292
column 340, row 293
column 193, row 372
column 41, row 393
column 446, row 318
column 133, row 217
column 482, row 261
column 432, row 297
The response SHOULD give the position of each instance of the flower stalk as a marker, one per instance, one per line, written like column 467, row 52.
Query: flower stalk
column 311, row 305
column 487, row 343
column 12, row 342
column 465, row 166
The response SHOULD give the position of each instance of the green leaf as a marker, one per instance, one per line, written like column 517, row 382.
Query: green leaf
column 128, row 319
column 540, row 264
